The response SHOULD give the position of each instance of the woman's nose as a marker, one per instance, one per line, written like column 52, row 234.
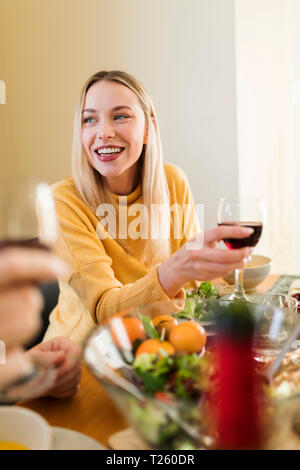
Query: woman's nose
column 105, row 130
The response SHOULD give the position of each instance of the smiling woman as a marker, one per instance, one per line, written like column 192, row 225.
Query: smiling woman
column 115, row 110
column 118, row 169
column 112, row 131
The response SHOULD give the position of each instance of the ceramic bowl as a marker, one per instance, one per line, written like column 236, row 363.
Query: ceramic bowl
column 254, row 273
column 25, row 428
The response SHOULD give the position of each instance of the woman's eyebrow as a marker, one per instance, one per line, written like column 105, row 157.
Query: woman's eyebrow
column 89, row 110
column 116, row 108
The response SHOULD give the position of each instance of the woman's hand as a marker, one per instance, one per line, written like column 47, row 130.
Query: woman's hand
column 63, row 355
column 20, row 300
column 206, row 263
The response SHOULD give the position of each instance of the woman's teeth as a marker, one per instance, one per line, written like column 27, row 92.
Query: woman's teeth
column 108, row 150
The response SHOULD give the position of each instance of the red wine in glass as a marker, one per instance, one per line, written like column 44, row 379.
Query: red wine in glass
column 251, row 240
column 241, row 212
column 297, row 297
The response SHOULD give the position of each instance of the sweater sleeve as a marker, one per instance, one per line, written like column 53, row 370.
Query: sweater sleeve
column 190, row 223
column 92, row 276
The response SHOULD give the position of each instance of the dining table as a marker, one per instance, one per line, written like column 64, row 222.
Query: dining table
column 91, row 411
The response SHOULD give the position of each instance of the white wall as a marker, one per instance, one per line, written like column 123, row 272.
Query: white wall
column 195, row 94
column 183, row 51
column 268, row 165
column 220, row 75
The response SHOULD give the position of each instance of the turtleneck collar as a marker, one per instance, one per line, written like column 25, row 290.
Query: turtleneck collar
column 132, row 197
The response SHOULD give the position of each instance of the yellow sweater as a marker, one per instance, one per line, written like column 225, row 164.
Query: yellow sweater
column 104, row 277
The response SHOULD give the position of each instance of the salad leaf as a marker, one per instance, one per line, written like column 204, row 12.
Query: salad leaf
column 153, row 363
column 167, row 432
column 206, row 289
column 190, row 368
column 149, row 419
column 196, row 306
column 149, row 328
column 153, row 371
column 144, row 362
column 203, row 312
column 152, row 382
column 190, row 308
column 183, row 376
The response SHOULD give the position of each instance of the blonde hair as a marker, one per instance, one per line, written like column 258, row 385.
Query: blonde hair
column 154, row 184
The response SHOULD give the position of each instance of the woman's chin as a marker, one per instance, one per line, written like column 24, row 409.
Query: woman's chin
column 109, row 173
column 109, row 169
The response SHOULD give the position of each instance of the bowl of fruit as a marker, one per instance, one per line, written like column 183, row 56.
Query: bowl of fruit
column 157, row 370
column 157, row 365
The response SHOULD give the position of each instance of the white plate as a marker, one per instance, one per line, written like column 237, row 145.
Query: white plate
column 67, row 439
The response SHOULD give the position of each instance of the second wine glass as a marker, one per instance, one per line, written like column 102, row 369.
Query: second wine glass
column 243, row 212
column 28, row 220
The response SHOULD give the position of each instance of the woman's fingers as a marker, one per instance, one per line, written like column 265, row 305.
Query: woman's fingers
column 72, row 377
column 16, row 365
column 66, row 393
column 19, row 265
column 66, row 386
column 48, row 359
column 218, row 255
column 203, row 269
column 70, row 365
column 226, row 231
column 68, row 371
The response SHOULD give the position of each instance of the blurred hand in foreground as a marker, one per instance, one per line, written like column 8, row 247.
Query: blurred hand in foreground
column 20, row 299
column 20, row 306
column 63, row 355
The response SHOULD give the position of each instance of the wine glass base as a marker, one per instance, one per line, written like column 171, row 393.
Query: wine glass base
column 238, row 296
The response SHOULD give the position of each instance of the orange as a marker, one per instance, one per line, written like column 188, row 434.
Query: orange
column 164, row 321
column 133, row 328
column 152, row 346
column 124, row 313
column 188, row 337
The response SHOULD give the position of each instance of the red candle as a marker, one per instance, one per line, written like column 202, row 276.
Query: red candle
column 238, row 400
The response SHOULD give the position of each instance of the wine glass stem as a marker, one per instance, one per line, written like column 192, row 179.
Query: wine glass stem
column 239, row 282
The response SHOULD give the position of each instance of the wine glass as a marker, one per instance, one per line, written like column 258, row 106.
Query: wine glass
column 243, row 212
column 27, row 219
